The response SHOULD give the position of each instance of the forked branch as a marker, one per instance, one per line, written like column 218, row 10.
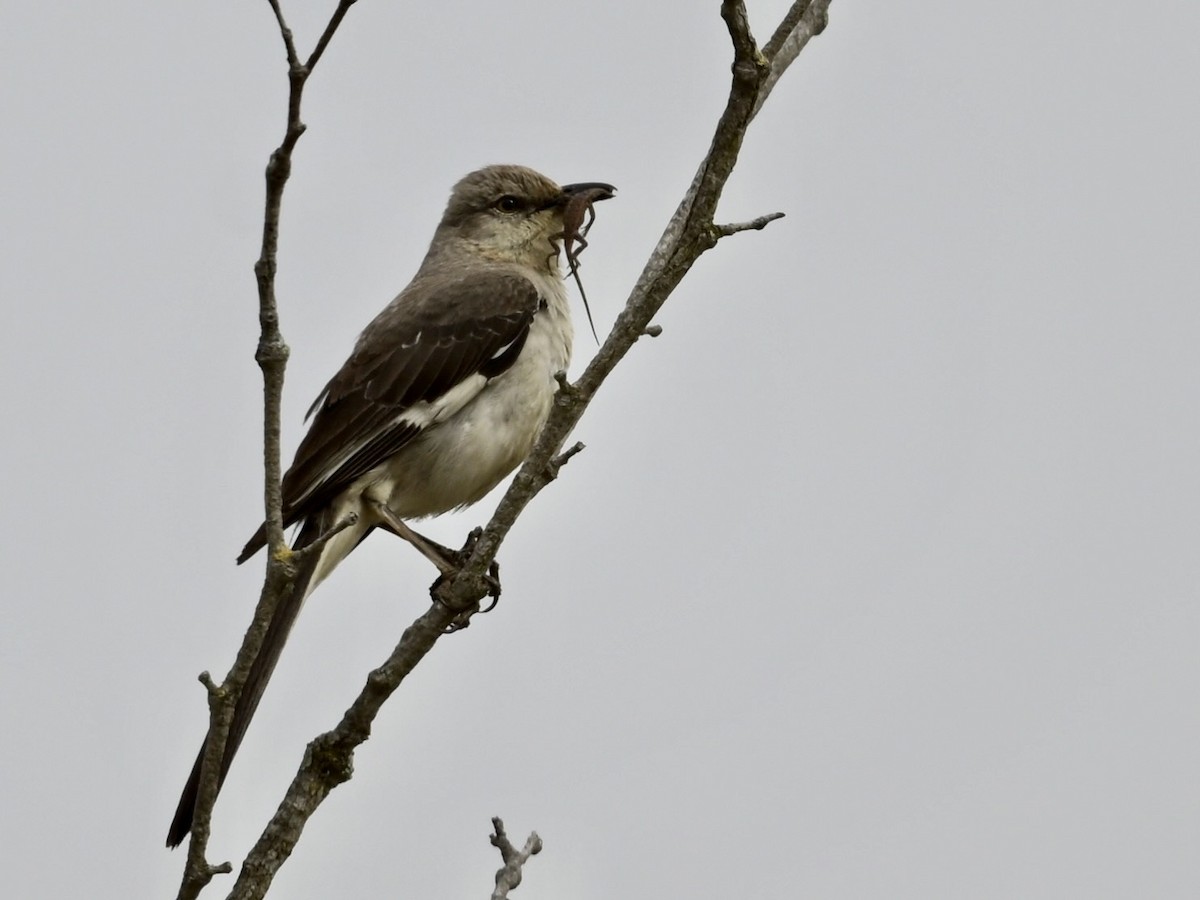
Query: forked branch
column 689, row 233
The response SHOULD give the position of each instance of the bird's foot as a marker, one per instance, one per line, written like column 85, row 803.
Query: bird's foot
column 461, row 595
column 451, row 589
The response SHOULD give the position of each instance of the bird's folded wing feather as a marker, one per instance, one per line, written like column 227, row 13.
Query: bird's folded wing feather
column 421, row 360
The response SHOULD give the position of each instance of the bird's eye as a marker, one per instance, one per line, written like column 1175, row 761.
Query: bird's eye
column 510, row 204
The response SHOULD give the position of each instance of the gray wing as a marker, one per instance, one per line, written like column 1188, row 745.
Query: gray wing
column 440, row 331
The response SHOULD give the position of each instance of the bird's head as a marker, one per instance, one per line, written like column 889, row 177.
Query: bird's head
column 513, row 214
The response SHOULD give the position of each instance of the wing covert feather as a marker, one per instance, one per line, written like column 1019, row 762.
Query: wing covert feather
column 438, row 332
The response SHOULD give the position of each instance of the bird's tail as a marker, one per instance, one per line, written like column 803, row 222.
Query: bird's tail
column 313, row 571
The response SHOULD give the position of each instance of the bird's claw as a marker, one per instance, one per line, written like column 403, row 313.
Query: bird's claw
column 448, row 590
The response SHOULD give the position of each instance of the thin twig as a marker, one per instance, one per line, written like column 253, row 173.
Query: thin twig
column 319, row 544
column 327, row 35
column 289, row 42
column 753, row 225
column 271, row 355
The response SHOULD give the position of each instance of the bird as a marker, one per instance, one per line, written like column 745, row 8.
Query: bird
column 443, row 396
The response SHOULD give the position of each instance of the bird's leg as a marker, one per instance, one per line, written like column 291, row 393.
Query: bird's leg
column 443, row 557
column 448, row 562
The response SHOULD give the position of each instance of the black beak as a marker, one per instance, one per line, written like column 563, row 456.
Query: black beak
column 601, row 190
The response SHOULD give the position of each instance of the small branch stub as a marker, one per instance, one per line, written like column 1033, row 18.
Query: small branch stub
column 209, row 684
column 567, row 393
column 753, row 225
column 562, row 459
column 509, row 876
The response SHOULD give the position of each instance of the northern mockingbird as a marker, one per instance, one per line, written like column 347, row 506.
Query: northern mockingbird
column 444, row 395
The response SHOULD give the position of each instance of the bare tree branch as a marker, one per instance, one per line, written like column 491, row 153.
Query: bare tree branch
column 508, row 877
column 805, row 19
column 690, row 232
column 328, row 759
column 271, row 355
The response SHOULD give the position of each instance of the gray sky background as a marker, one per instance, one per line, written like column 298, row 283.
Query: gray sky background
column 878, row 577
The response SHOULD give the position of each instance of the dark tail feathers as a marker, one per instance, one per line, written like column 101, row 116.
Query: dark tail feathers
column 256, row 683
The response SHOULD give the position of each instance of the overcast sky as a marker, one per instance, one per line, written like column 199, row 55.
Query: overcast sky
column 877, row 579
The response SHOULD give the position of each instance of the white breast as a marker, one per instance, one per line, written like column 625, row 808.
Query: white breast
column 463, row 455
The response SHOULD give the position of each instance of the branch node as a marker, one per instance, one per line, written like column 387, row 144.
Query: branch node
column 567, row 392
column 652, row 331
column 279, row 166
column 272, row 352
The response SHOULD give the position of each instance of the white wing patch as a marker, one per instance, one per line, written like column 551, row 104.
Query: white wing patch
column 423, row 415
column 499, row 353
column 431, row 412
